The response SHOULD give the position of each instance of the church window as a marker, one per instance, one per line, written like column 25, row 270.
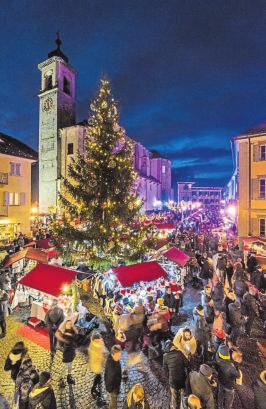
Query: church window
column 48, row 82
column 163, row 169
column 70, row 148
column 66, row 86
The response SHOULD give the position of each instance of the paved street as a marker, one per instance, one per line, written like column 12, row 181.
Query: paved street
column 153, row 378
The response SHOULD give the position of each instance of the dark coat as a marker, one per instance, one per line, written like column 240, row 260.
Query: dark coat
column 13, row 364
column 42, row 397
column 201, row 387
column 227, row 372
column 69, row 346
column 240, row 287
column 54, row 317
column 169, row 300
column 259, row 389
column 26, row 379
column 175, row 362
column 112, row 375
column 218, row 296
column 205, row 269
column 257, row 279
column 208, row 309
column 235, row 315
column 251, row 304
column 221, row 263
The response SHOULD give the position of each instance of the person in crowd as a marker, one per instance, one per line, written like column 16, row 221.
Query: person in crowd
column 97, row 356
column 218, row 295
column 250, row 304
column 113, row 375
column 27, row 378
column 251, row 262
column 259, row 389
column 14, row 359
column 176, row 365
column 136, row 398
column 208, row 306
column 228, row 373
column 205, row 271
column 240, row 286
column 185, row 341
column 53, row 319
column 257, row 278
column 2, row 317
column 237, row 321
column 229, row 272
column 201, row 384
column 193, row 402
column 170, row 301
column 221, row 266
column 230, row 297
column 3, row 402
column 68, row 339
column 202, row 331
column 42, row 395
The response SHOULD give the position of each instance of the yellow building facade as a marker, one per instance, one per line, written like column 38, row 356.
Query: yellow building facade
column 16, row 161
column 250, row 157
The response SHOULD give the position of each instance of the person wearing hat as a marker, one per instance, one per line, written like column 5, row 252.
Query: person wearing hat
column 14, row 359
column 237, row 321
column 53, row 319
column 201, row 385
column 176, row 365
column 259, row 389
column 42, row 395
column 202, row 331
column 136, row 398
column 193, row 402
column 228, row 374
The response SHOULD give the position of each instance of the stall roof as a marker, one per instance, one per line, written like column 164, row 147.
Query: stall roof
column 149, row 271
column 165, row 226
column 49, row 279
column 30, row 254
column 43, row 243
column 176, row 255
column 254, row 240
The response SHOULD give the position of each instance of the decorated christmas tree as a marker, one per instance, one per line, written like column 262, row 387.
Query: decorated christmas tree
column 99, row 207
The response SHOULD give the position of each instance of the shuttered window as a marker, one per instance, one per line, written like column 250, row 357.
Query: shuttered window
column 263, row 152
column 262, row 188
column 255, row 188
column 14, row 199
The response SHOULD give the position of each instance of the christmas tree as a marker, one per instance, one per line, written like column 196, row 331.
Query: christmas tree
column 99, row 206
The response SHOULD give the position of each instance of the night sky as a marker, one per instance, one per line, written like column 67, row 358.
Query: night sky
column 188, row 74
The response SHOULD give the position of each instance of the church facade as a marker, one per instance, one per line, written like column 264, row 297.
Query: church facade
column 61, row 138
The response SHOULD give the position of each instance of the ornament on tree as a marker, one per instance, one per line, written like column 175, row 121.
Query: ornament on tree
column 92, row 183
column 112, row 164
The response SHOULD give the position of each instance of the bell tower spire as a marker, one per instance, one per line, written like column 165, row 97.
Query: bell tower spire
column 57, row 110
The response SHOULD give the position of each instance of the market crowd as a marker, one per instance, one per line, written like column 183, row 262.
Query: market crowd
column 203, row 361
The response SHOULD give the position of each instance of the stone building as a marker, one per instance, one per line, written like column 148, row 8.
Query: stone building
column 207, row 196
column 61, row 138
column 247, row 187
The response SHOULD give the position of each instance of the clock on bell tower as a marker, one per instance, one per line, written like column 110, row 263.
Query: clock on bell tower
column 57, row 110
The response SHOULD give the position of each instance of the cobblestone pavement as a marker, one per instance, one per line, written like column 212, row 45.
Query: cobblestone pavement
column 153, row 379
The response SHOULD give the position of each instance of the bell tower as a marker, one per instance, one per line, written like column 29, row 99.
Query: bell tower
column 57, row 110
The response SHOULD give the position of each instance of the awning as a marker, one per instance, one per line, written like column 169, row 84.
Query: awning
column 165, row 226
column 49, row 279
column 43, row 244
column 251, row 240
column 176, row 255
column 28, row 253
column 149, row 271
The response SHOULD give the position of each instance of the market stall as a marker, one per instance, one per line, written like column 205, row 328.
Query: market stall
column 43, row 284
column 174, row 261
column 165, row 230
column 18, row 261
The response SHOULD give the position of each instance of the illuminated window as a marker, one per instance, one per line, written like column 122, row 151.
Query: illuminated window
column 262, row 225
column 70, row 148
column 163, row 169
column 263, row 152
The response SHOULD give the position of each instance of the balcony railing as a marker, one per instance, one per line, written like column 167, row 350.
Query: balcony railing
column 3, row 178
column 3, row 211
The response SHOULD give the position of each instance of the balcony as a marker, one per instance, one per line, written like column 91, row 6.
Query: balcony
column 3, row 211
column 3, row 178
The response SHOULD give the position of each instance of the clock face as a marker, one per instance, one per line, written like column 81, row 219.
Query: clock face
column 48, row 104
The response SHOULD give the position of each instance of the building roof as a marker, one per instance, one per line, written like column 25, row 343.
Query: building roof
column 49, row 279
column 14, row 147
column 176, row 255
column 134, row 273
column 58, row 52
column 256, row 131
column 28, row 253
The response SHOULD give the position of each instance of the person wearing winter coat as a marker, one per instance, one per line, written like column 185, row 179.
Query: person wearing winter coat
column 205, row 269
column 113, row 375
column 42, row 395
column 251, row 307
column 26, row 379
column 176, row 365
column 221, row 266
column 237, row 321
column 259, row 389
column 208, row 306
column 2, row 320
column 230, row 297
column 185, row 341
column 53, row 319
column 257, row 278
column 201, row 385
column 229, row 271
column 14, row 359
column 3, row 402
column 202, row 331
column 136, row 398
column 68, row 339
column 240, row 287
column 169, row 300
column 251, row 263
column 228, row 373
column 218, row 295
column 97, row 356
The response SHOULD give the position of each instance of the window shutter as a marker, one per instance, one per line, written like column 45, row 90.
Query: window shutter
column 18, row 170
column 22, row 199
column 256, row 153
column 6, row 198
column 254, row 226
column 255, row 187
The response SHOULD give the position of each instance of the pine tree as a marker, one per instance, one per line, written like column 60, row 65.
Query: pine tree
column 99, row 206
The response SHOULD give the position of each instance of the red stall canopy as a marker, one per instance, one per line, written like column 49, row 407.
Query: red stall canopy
column 176, row 255
column 165, row 226
column 49, row 279
column 149, row 271
column 29, row 253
